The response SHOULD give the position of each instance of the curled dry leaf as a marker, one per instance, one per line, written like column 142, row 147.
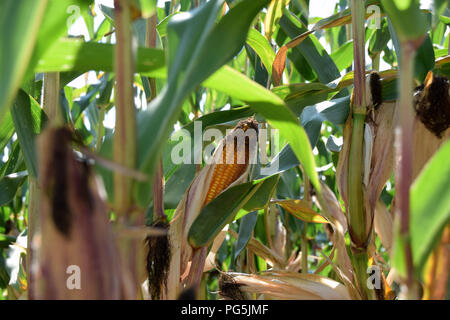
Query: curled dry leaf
column 384, row 226
column 285, row 285
column 338, row 221
column 294, row 263
column 279, row 239
column 334, row 207
column 210, row 259
column 342, row 166
column 381, row 164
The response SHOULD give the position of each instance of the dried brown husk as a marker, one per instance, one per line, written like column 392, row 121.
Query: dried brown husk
column 426, row 143
column 381, row 165
column 210, row 259
column 279, row 238
column 286, row 285
column 74, row 231
column 338, row 221
column 378, row 149
column 383, row 224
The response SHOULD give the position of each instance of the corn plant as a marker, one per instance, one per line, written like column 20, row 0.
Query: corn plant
column 238, row 149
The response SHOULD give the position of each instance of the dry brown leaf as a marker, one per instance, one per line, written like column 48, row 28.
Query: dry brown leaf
column 290, row 286
column 278, row 65
column 384, row 226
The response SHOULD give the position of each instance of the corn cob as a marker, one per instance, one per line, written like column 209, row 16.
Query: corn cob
column 225, row 172
column 231, row 162
column 229, row 166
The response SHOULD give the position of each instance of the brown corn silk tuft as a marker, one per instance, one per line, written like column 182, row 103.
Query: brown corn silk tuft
column 375, row 89
column 433, row 104
column 229, row 289
column 431, row 126
column 158, row 260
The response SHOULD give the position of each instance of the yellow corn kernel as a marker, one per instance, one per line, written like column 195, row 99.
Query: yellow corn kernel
column 226, row 173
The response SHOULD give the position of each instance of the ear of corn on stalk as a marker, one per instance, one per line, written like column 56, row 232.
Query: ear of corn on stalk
column 377, row 163
column 228, row 166
column 74, row 228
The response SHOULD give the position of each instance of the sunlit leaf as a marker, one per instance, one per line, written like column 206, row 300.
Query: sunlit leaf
column 301, row 210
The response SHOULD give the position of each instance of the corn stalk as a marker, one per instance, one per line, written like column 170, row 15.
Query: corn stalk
column 158, row 182
column 53, row 111
column 356, row 213
column 405, row 151
column 124, row 147
column 125, row 129
column 410, row 38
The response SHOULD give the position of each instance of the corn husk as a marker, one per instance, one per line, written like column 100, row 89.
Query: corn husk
column 338, row 221
column 342, row 166
column 432, row 122
column 75, row 234
column 426, row 142
column 283, row 285
column 378, row 152
column 210, row 259
column 437, row 269
column 381, row 164
column 425, row 145
column 279, row 238
column 198, row 195
column 383, row 224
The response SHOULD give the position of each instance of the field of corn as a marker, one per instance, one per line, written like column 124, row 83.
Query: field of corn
column 224, row 149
